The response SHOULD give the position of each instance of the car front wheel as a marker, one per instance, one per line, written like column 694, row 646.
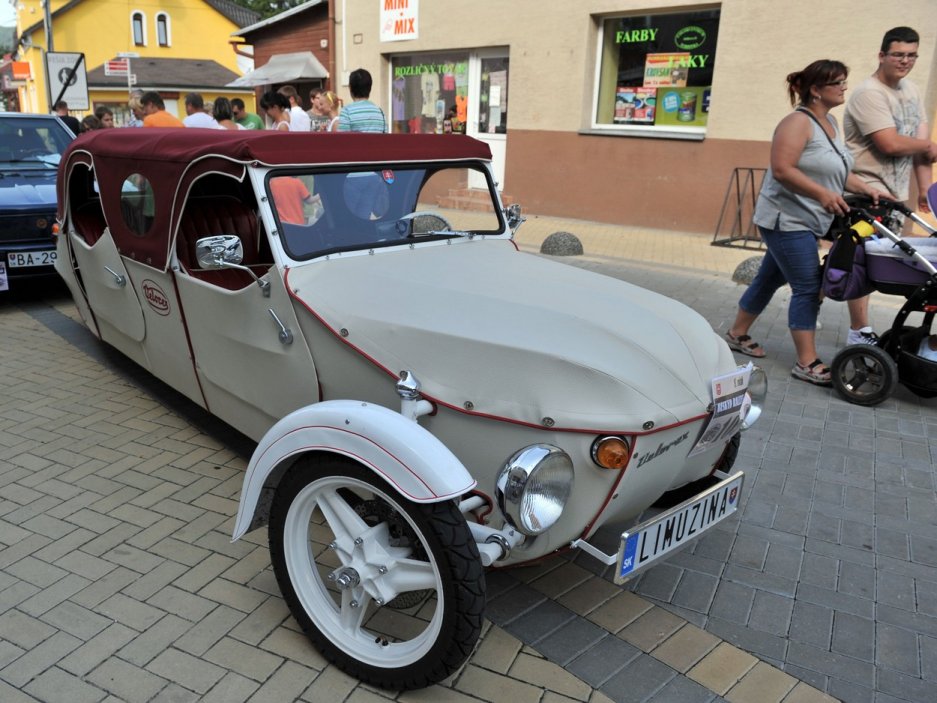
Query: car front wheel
column 389, row 590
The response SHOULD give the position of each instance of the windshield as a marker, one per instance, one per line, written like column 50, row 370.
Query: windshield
column 330, row 211
column 34, row 142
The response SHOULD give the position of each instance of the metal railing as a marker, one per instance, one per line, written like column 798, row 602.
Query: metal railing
column 735, row 227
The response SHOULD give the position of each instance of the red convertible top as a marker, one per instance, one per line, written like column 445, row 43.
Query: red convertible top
column 172, row 159
column 274, row 148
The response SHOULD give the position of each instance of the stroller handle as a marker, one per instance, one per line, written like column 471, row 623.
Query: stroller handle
column 861, row 202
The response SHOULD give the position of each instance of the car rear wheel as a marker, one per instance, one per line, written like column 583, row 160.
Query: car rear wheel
column 864, row 374
column 390, row 591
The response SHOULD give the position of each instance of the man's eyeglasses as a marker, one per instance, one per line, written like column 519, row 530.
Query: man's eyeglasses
column 901, row 56
column 841, row 83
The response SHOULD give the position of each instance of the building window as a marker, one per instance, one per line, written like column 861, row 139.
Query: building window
column 424, row 88
column 138, row 26
column 163, row 33
column 655, row 73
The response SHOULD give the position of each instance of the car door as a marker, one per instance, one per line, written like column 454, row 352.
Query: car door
column 110, row 294
column 253, row 364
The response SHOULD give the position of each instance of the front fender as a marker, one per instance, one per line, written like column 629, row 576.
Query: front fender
column 399, row 450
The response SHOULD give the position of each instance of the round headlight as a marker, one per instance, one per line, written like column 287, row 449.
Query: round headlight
column 533, row 487
column 757, row 391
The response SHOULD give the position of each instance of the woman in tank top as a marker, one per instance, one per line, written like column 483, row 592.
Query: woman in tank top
column 801, row 193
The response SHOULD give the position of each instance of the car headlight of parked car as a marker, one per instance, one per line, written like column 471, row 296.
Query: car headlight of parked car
column 533, row 486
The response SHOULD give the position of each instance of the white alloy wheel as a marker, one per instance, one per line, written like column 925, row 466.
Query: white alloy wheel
column 383, row 586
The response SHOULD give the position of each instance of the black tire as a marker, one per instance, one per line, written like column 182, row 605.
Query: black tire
column 863, row 374
column 416, row 635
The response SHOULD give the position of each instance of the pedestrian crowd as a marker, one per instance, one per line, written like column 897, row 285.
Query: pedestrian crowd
column 283, row 110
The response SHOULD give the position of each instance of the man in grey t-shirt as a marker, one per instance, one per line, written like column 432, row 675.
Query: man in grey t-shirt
column 886, row 131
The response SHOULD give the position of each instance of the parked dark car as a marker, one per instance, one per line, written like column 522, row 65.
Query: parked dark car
column 30, row 149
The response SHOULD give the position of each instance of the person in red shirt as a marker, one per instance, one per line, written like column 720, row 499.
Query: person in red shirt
column 289, row 196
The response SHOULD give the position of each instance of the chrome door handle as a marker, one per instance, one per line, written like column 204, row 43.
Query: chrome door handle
column 286, row 337
column 119, row 279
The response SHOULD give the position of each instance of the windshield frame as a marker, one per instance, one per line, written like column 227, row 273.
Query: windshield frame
column 429, row 168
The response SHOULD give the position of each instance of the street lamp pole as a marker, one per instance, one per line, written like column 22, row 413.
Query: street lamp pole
column 47, row 24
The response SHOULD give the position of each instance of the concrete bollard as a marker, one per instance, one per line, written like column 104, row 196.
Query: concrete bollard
column 745, row 272
column 561, row 244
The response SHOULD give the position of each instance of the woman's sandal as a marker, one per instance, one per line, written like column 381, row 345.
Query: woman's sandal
column 745, row 345
column 816, row 373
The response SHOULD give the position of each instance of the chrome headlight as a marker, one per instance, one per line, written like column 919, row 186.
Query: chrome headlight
column 533, row 487
column 757, row 392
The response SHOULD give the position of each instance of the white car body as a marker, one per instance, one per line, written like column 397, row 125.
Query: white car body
column 180, row 253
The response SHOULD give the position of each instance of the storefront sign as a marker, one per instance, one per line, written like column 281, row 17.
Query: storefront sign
column 632, row 36
column 21, row 71
column 421, row 68
column 689, row 38
column 400, row 20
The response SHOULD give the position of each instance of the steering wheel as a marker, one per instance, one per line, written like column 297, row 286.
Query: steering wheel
column 421, row 223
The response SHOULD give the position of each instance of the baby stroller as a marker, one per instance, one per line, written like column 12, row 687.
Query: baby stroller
column 867, row 374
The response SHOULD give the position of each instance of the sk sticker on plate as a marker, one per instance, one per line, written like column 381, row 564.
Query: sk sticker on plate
column 388, row 176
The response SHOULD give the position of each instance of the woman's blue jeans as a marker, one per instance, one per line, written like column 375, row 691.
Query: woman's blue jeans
column 792, row 257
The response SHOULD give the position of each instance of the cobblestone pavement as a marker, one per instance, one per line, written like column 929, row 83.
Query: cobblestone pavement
column 118, row 580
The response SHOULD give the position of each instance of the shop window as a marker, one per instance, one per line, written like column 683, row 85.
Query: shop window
column 425, row 88
column 138, row 26
column 163, row 33
column 655, row 73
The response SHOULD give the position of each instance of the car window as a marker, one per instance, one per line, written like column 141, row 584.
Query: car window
column 36, row 143
column 137, row 203
column 331, row 211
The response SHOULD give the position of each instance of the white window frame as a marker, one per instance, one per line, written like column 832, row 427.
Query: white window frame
column 133, row 36
column 164, row 17
column 596, row 127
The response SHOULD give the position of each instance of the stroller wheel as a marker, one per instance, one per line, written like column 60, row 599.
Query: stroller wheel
column 864, row 374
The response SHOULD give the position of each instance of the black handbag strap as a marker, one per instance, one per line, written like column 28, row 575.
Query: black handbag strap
column 839, row 153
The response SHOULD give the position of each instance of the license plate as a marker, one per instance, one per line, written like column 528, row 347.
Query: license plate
column 649, row 542
column 23, row 259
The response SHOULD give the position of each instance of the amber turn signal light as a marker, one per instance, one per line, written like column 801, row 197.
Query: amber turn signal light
column 611, row 452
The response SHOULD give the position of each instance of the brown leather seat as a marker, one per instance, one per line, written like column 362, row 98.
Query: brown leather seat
column 88, row 221
column 213, row 215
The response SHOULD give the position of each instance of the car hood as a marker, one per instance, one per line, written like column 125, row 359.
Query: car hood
column 27, row 188
column 499, row 332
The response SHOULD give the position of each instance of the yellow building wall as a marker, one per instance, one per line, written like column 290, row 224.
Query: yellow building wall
column 102, row 29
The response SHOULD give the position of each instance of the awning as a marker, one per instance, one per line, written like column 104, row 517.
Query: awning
column 283, row 68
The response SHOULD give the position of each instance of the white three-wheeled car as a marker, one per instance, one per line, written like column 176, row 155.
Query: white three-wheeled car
column 427, row 400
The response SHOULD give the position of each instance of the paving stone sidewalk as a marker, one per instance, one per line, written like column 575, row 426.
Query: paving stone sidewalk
column 118, row 580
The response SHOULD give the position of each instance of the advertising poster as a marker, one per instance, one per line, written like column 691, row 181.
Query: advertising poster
column 670, row 70
column 682, row 106
column 635, row 105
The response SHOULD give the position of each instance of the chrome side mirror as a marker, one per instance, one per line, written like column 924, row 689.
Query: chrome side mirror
column 218, row 251
column 225, row 251
column 514, row 217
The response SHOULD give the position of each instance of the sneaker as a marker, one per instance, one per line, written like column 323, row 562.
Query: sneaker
column 864, row 335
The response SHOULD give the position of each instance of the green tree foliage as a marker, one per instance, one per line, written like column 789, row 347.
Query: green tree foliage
column 268, row 8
